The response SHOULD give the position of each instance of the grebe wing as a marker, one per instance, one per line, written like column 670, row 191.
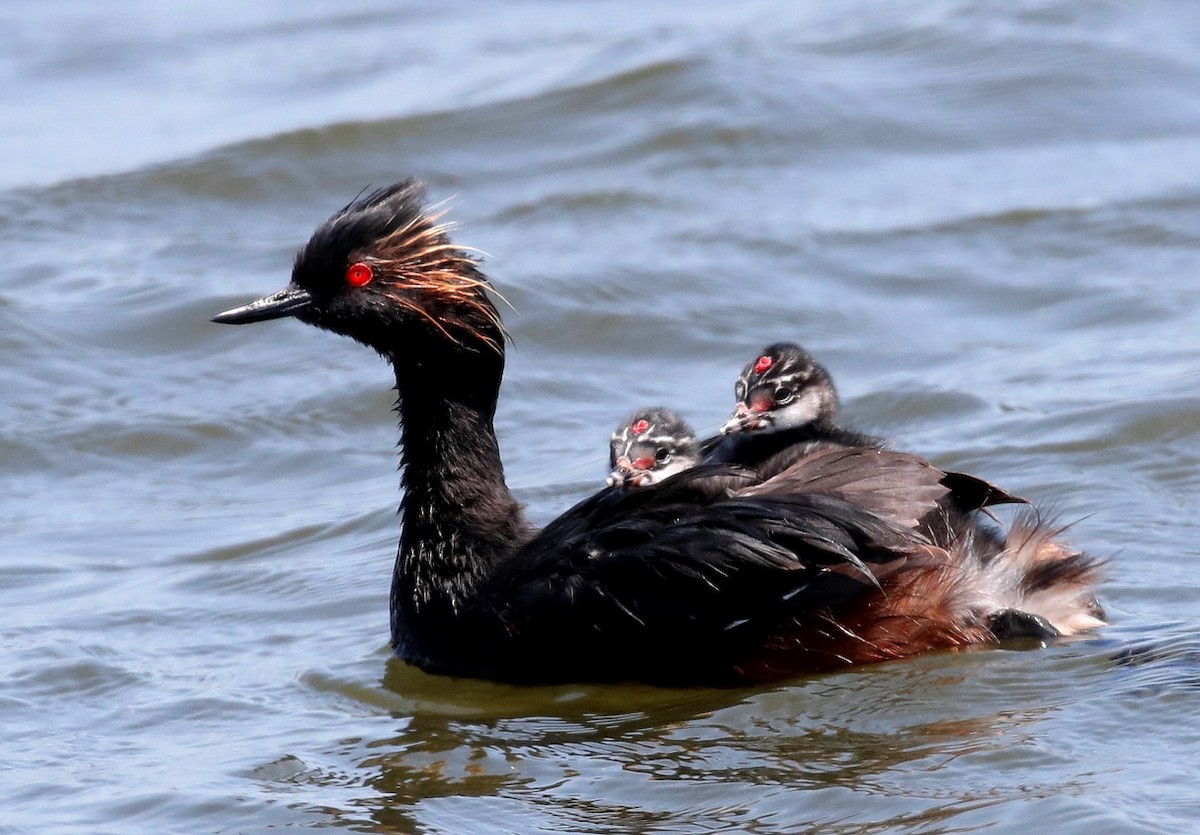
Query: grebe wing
column 678, row 564
column 974, row 493
column 900, row 487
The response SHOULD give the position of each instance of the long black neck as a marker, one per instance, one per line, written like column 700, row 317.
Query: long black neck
column 459, row 519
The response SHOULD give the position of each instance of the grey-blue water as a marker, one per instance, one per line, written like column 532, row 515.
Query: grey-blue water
column 984, row 218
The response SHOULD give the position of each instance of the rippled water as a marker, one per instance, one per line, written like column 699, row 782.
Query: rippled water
column 985, row 221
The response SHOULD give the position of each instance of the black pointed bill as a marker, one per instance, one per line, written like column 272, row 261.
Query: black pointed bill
column 287, row 302
column 746, row 421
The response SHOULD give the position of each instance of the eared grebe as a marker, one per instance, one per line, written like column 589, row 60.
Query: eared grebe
column 786, row 389
column 649, row 446
column 673, row 583
column 787, row 408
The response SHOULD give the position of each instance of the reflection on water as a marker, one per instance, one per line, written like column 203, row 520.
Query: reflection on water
column 610, row 756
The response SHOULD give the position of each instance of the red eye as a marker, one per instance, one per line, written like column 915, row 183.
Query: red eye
column 360, row 274
column 764, row 362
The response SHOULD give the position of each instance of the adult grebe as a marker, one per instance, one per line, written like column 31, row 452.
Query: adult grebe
column 673, row 583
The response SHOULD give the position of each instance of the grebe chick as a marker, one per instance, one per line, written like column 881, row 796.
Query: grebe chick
column 787, row 408
column 674, row 583
column 649, row 446
column 786, row 389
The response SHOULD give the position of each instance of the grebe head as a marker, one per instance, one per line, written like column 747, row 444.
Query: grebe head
column 650, row 446
column 782, row 389
column 383, row 271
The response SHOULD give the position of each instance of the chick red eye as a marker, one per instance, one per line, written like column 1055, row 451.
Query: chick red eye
column 359, row 274
column 662, row 456
column 783, row 395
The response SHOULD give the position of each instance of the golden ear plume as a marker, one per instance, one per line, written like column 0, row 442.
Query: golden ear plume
column 420, row 259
